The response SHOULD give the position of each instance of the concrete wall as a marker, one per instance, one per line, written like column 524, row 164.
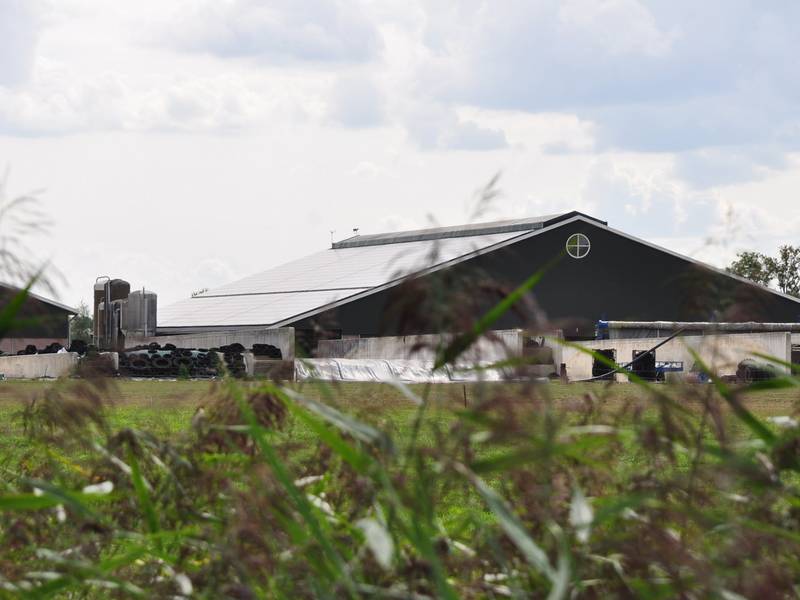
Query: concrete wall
column 499, row 346
column 722, row 353
column 282, row 338
column 35, row 366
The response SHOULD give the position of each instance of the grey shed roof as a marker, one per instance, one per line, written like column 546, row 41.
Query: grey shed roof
column 350, row 268
column 440, row 233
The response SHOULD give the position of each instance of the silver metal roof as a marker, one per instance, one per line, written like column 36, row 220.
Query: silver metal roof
column 439, row 233
column 291, row 290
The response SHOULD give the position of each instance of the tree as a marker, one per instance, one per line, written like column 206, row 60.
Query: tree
column 753, row 266
column 785, row 269
column 81, row 325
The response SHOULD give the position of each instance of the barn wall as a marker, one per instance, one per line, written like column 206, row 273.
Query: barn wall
column 722, row 353
column 50, row 323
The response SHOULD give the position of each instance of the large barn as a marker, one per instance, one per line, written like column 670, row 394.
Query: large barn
column 415, row 281
column 39, row 322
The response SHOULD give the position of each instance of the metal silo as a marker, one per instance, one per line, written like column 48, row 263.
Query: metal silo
column 106, row 291
column 120, row 289
column 142, row 313
column 119, row 316
column 99, row 298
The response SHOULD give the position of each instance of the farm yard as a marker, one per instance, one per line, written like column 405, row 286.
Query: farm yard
column 241, row 489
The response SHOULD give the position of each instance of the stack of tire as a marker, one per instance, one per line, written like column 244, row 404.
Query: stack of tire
column 53, row 348
column 81, row 347
column 169, row 361
column 267, row 351
column 154, row 361
column 234, row 358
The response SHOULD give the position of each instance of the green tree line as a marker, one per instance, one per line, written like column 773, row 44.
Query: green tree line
column 782, row 271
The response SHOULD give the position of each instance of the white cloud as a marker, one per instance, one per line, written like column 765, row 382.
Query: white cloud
column 57, row 102
column 395, row 222
column 763, row 213
column 437, row 127
column 713, row 167
column 369, row 169
column 19, row 32
column 211, row 272
column 647, row 199
column 653, row 77
column 615, row 27
column 468, row 135
column 282, row 31
column 357, row 101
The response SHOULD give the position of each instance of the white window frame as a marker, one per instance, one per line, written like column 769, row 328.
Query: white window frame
column 578, row 246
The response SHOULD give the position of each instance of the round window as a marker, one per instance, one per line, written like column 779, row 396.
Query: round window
column 578, row 245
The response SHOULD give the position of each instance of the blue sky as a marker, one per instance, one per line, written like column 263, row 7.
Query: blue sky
column 184, row 144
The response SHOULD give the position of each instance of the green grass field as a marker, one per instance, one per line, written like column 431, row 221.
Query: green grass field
column 485, row 479
column 165, row 408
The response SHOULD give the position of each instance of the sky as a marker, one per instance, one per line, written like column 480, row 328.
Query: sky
column 182, row 145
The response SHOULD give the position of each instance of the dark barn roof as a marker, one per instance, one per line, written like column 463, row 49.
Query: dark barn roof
column 9, row 290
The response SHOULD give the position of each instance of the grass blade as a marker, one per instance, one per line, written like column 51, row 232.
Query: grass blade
column 356, row 458
column 360, row 431
column 744, row 415
column 511, row 524
column 142, row 494
column 462, row 342
column 27, row 502
column 298, row 499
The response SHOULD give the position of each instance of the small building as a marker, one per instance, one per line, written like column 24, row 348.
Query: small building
column 39, row 322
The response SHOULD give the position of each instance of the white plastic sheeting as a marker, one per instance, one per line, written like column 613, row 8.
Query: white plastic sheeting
column 493, row 346
column 408, row 371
